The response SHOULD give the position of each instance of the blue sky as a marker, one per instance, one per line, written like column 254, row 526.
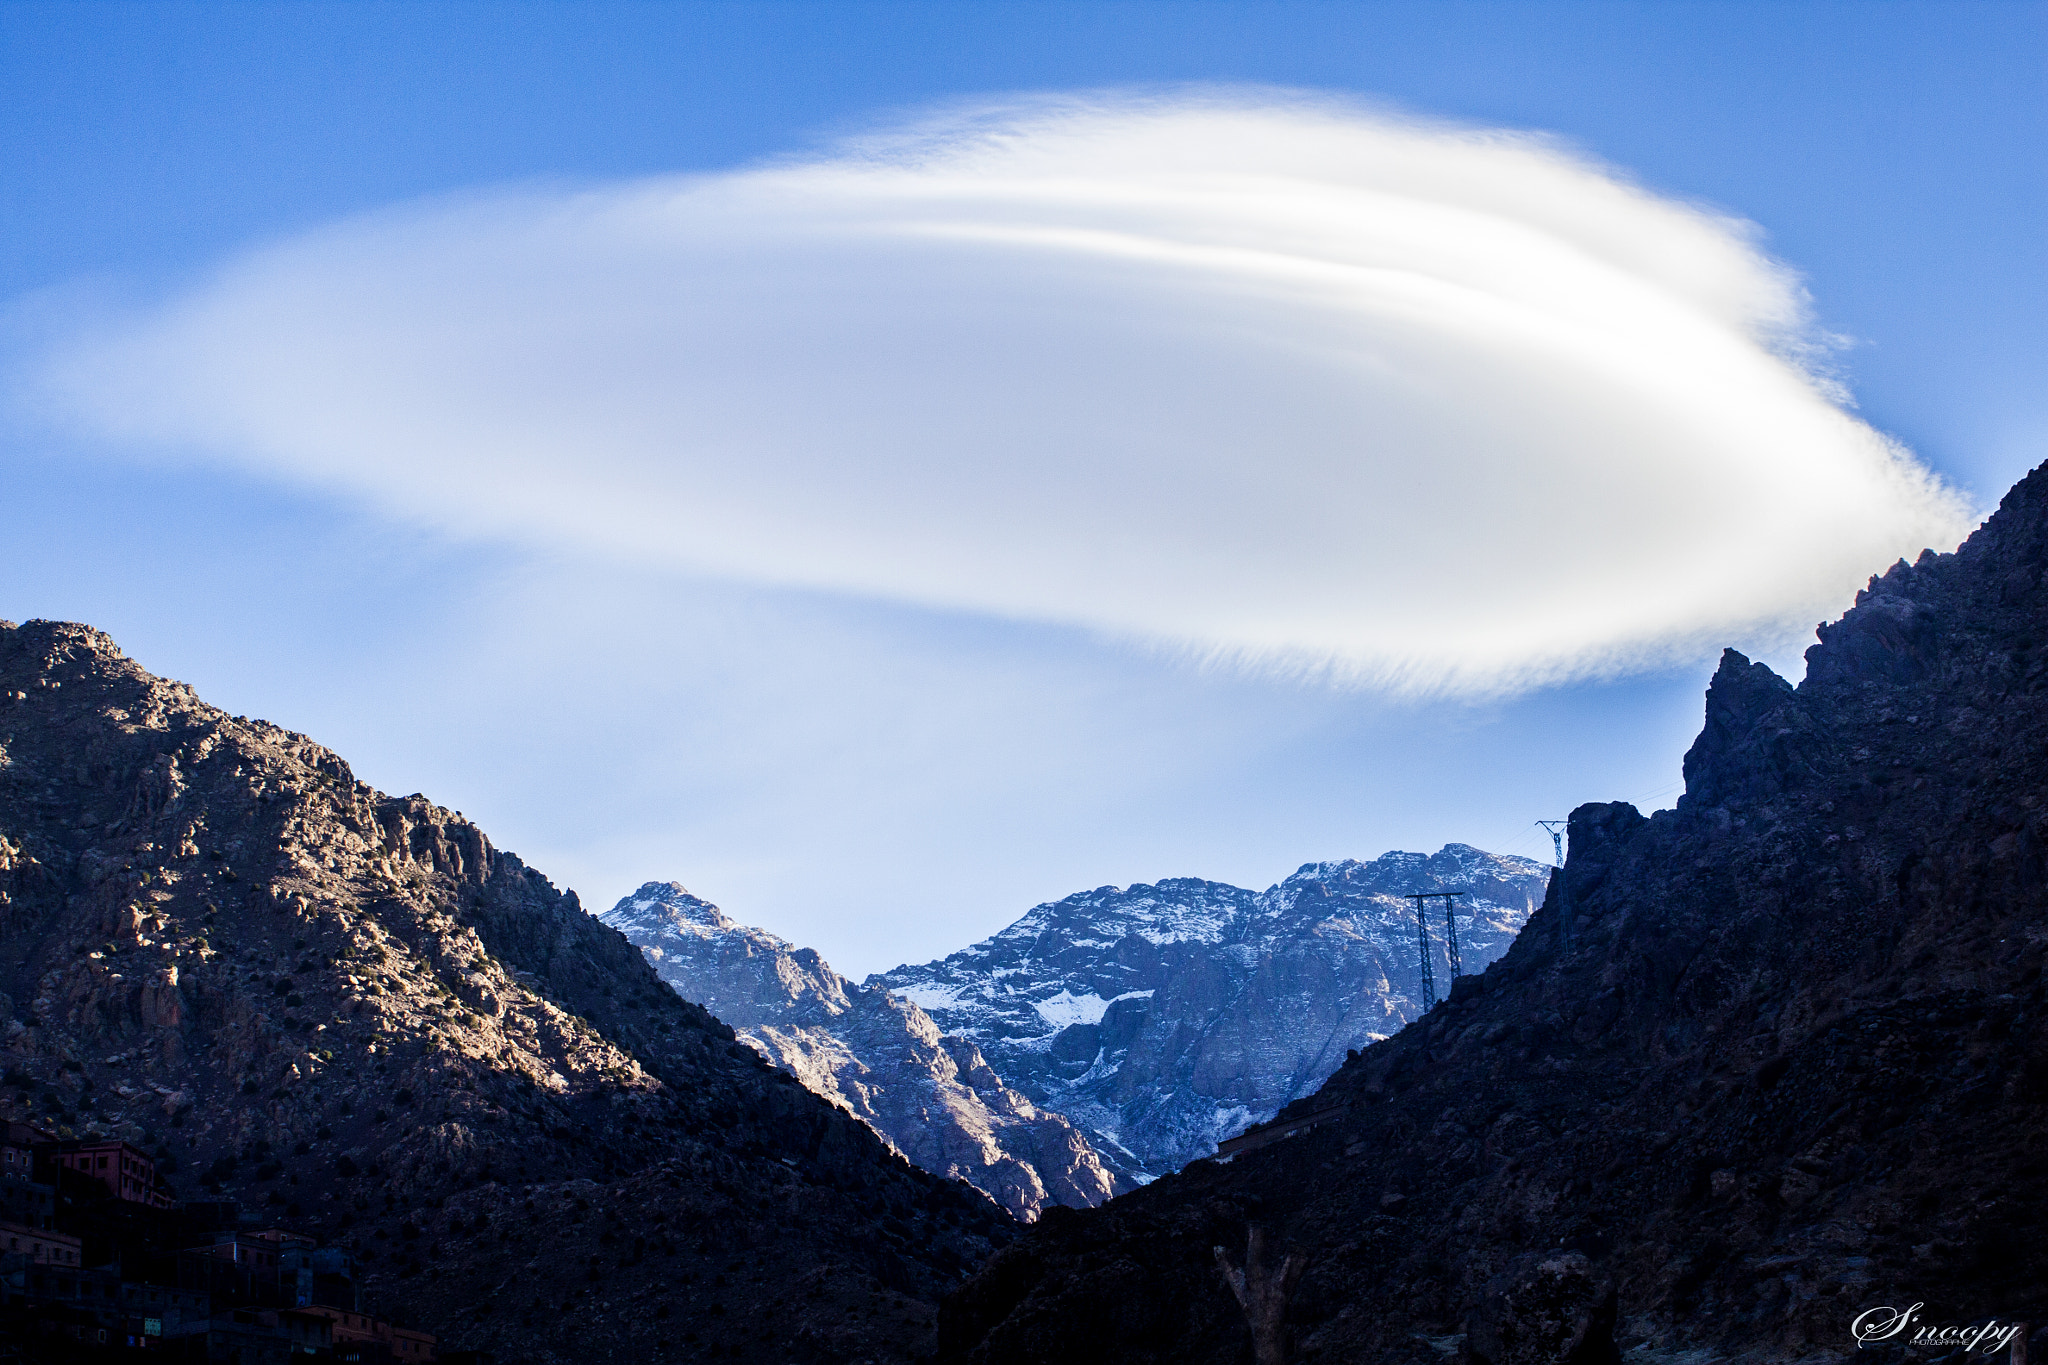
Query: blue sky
column 881, row 777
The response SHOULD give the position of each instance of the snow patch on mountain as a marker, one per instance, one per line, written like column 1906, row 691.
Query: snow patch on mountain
column 1067, row 1008
column 932, row 997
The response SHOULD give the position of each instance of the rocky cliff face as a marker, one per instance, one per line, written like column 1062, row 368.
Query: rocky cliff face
column 352, row 1014
column 1793, row 1064
column 876, row 1056
column 1164, row 1017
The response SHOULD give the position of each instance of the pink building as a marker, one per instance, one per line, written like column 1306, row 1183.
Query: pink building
column 126, row 1171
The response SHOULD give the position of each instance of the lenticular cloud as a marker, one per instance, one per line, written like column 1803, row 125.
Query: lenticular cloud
column 1273, row 379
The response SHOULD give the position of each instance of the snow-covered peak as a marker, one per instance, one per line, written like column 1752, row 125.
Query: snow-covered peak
column 1146, row 1011
column 671, row 907
column 1391, row 877
column 742, row 974
column 1179, row 909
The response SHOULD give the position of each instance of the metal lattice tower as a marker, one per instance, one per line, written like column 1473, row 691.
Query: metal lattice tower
column 1422, row 900
column 1556, row 830
column 1451, row 933
column 1422, row 946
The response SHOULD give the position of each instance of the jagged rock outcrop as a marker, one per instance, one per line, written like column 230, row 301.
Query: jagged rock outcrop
column 1164, row 1017
column 352, row 1014
column 883, row 1059
column 1792, row 1065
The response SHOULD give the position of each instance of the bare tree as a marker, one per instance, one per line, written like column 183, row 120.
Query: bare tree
column 1262, row 1293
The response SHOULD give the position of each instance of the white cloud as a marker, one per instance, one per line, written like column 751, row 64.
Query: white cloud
column 1262, row 376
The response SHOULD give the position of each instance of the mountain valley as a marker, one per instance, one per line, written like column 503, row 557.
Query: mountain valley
column 1740, row 1070
column 1160, row 1018
column 874, row 1054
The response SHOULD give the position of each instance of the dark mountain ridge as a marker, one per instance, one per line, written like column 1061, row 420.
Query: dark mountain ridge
column 1758, row 1064
column 353, row 1015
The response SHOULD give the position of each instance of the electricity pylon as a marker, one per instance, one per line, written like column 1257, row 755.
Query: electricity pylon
column 1422, row 899
column 1556, row 830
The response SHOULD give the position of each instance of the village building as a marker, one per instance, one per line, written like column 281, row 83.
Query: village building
column 25, row 1202
column 29, row 1203
column 381, row 1340
column 263, row 1296
column 18, row 1144
column 409, row 1345
column 40, row 1245
column 247, row 1336
column 126, row 1171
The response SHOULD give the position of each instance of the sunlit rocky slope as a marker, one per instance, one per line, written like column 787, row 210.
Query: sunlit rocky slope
column 877, row 1056
column 353, row 1015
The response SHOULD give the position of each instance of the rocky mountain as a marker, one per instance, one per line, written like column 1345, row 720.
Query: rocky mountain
column 351, row 1014
column 1790, row 1066
column 1162, row 1018
column 876, row 1056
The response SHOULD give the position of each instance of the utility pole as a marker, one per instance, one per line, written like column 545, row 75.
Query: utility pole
column 1422, row 900
column 1556, row 830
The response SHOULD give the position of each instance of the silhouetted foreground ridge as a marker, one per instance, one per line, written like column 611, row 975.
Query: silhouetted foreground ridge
column 1791, row 1066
